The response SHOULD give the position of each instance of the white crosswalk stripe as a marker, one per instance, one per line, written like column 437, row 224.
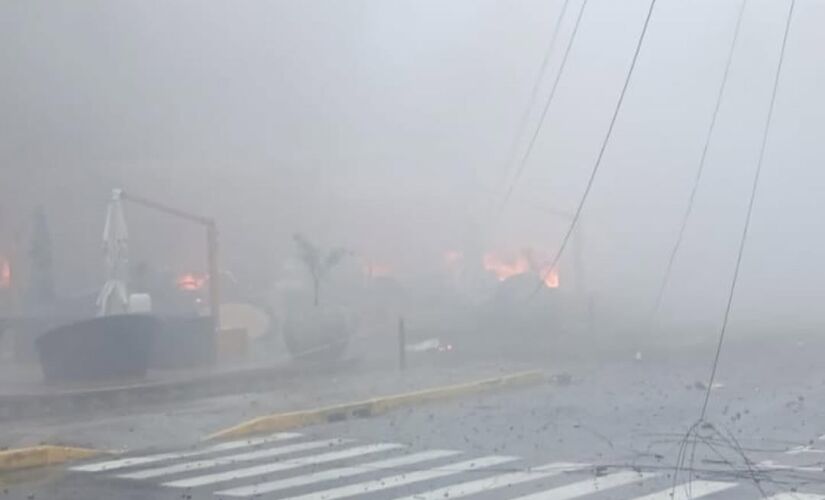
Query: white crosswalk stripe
column 232, row 459
column 495, row 482
column 281, row 466
column 405, row 479
column 689, row 491
column 122, row 463
column 771, row 465
column 799, row 450
column 339, row 473
column 589, row 486
column 796, row 496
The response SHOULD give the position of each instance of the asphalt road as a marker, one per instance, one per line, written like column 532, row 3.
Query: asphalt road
column 615, row 429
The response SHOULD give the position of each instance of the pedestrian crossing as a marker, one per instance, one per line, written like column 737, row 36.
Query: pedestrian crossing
column 269, row 468
column 298, row 467
column 589, row 486
column 230, row 460
column 148, row 459
column 805, row 459
column 339, row 473
column 404, row 478
column 491, row 483
column 696, row 489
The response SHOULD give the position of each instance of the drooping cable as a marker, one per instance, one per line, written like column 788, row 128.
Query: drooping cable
column 534, row 92
column 699, row 171
column 749, row 213
column 602, row 149
column 531, row 144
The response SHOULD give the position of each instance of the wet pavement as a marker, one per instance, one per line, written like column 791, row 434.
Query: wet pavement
column 608, row 429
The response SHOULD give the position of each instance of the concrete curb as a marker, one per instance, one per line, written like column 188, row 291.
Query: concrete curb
column 41, row 456
column 372, row 407
column 77, row 402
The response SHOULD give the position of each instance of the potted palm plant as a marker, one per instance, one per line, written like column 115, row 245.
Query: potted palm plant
column 315, row 327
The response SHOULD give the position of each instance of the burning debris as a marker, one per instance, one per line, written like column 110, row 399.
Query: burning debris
column 5, row 273
column 505, row 266
column 376, row 269
column 191, row 282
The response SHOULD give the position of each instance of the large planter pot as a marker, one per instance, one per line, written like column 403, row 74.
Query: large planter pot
column 184, row 342
column 316, row 334
column 25, row 331
column 107, row 348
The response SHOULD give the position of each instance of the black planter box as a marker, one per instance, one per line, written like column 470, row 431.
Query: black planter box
column 106, row 348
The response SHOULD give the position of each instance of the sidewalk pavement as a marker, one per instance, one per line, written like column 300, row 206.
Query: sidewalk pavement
column 182, row 421
column 24, row 393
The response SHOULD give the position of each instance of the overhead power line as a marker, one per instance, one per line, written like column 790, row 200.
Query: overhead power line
column 534, row 93
column 531, row 144
column 755, row 185
column 694, row 432
column 699, row 171
column 602, row 149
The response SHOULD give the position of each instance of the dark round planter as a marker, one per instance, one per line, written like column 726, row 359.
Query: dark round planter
column 107, row 348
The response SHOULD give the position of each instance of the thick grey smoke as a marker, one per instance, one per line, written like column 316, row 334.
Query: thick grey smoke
column 385, row 127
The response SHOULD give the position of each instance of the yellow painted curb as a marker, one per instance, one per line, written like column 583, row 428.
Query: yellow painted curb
column 40, row 456
column 371, row 407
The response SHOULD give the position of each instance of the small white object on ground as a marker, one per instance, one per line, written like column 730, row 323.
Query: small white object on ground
column 426, row 345
column 140, row 303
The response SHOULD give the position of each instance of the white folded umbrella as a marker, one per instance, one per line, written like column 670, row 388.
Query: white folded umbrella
column 114, row 298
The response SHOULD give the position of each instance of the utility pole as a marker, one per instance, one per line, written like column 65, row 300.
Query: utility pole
column 214, row 276
column 402, row 344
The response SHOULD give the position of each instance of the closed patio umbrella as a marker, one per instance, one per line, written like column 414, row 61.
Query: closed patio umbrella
column 114, row 298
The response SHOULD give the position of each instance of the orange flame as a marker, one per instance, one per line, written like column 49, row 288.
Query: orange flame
column 377, row 270
column 551, row 278
column 5, row 273
column 504, row 268
column 191, row 282
column 453, row 257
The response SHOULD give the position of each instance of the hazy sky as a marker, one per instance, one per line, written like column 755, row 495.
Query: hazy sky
column 386, row 125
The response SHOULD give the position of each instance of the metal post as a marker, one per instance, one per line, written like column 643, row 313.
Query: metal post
column 214, row 276
column 402, row 345
column 591, row 315
column 578, row 266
